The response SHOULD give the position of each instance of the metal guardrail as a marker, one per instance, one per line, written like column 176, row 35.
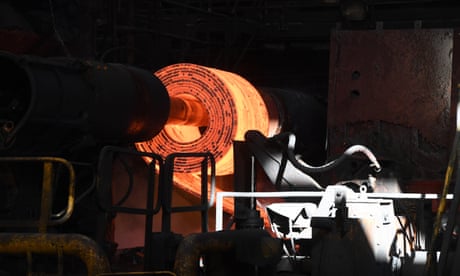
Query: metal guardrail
column 207, row 163
column 105, row 195
column 88, row 249
column 27, row 244
column 46, row 217
column 297, row 194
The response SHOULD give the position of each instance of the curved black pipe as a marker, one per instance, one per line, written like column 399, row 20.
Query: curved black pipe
column 251, row 246
column 279, row 161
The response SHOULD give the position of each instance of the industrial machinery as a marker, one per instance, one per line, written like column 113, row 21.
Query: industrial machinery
column 86, row 146
column 70, row 126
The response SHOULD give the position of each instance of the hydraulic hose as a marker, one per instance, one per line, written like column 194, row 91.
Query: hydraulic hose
column 306, row 168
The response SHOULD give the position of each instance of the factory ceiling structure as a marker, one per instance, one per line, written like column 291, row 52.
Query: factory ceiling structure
column 235, row 35
column 223, row 137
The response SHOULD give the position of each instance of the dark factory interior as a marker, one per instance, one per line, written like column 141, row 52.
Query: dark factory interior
column 229, row 137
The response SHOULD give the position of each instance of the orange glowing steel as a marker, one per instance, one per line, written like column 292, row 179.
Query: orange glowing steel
column 187, row 111
column 210, row 108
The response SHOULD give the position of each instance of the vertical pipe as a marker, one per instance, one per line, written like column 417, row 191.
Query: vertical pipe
column 431, row 266
column 45, row 209
column 448, row 234
column 166, row 194
column 149, row 218
column 104, row 193
column 241, row 178
column 252, row 183
column 29, row 263
column 246, row 215
column 204, row 195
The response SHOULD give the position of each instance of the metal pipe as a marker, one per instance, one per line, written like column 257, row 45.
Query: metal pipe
column 430, row 269
column 187, row 111
column 195, row 245
column 71, row 244
column 45, row 208
column 67, row 97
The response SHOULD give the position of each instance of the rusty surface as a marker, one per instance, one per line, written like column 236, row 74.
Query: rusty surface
column 71, row 244
column 455, row 74
column 391, row 91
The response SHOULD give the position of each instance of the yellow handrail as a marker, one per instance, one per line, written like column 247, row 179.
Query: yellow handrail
column 45, row 212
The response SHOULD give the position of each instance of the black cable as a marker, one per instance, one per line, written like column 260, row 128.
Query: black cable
column 306, row 168
column 56, row 33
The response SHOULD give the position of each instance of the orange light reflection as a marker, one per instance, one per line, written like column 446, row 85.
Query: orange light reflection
column 210, row 109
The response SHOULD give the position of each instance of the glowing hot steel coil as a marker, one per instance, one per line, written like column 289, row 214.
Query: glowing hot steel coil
column 210, row 108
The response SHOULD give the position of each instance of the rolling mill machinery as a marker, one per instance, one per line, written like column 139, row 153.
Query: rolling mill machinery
column 94, row 157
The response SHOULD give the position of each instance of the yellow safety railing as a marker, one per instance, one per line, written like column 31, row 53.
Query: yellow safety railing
column 45, row 219
column 27, row 244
